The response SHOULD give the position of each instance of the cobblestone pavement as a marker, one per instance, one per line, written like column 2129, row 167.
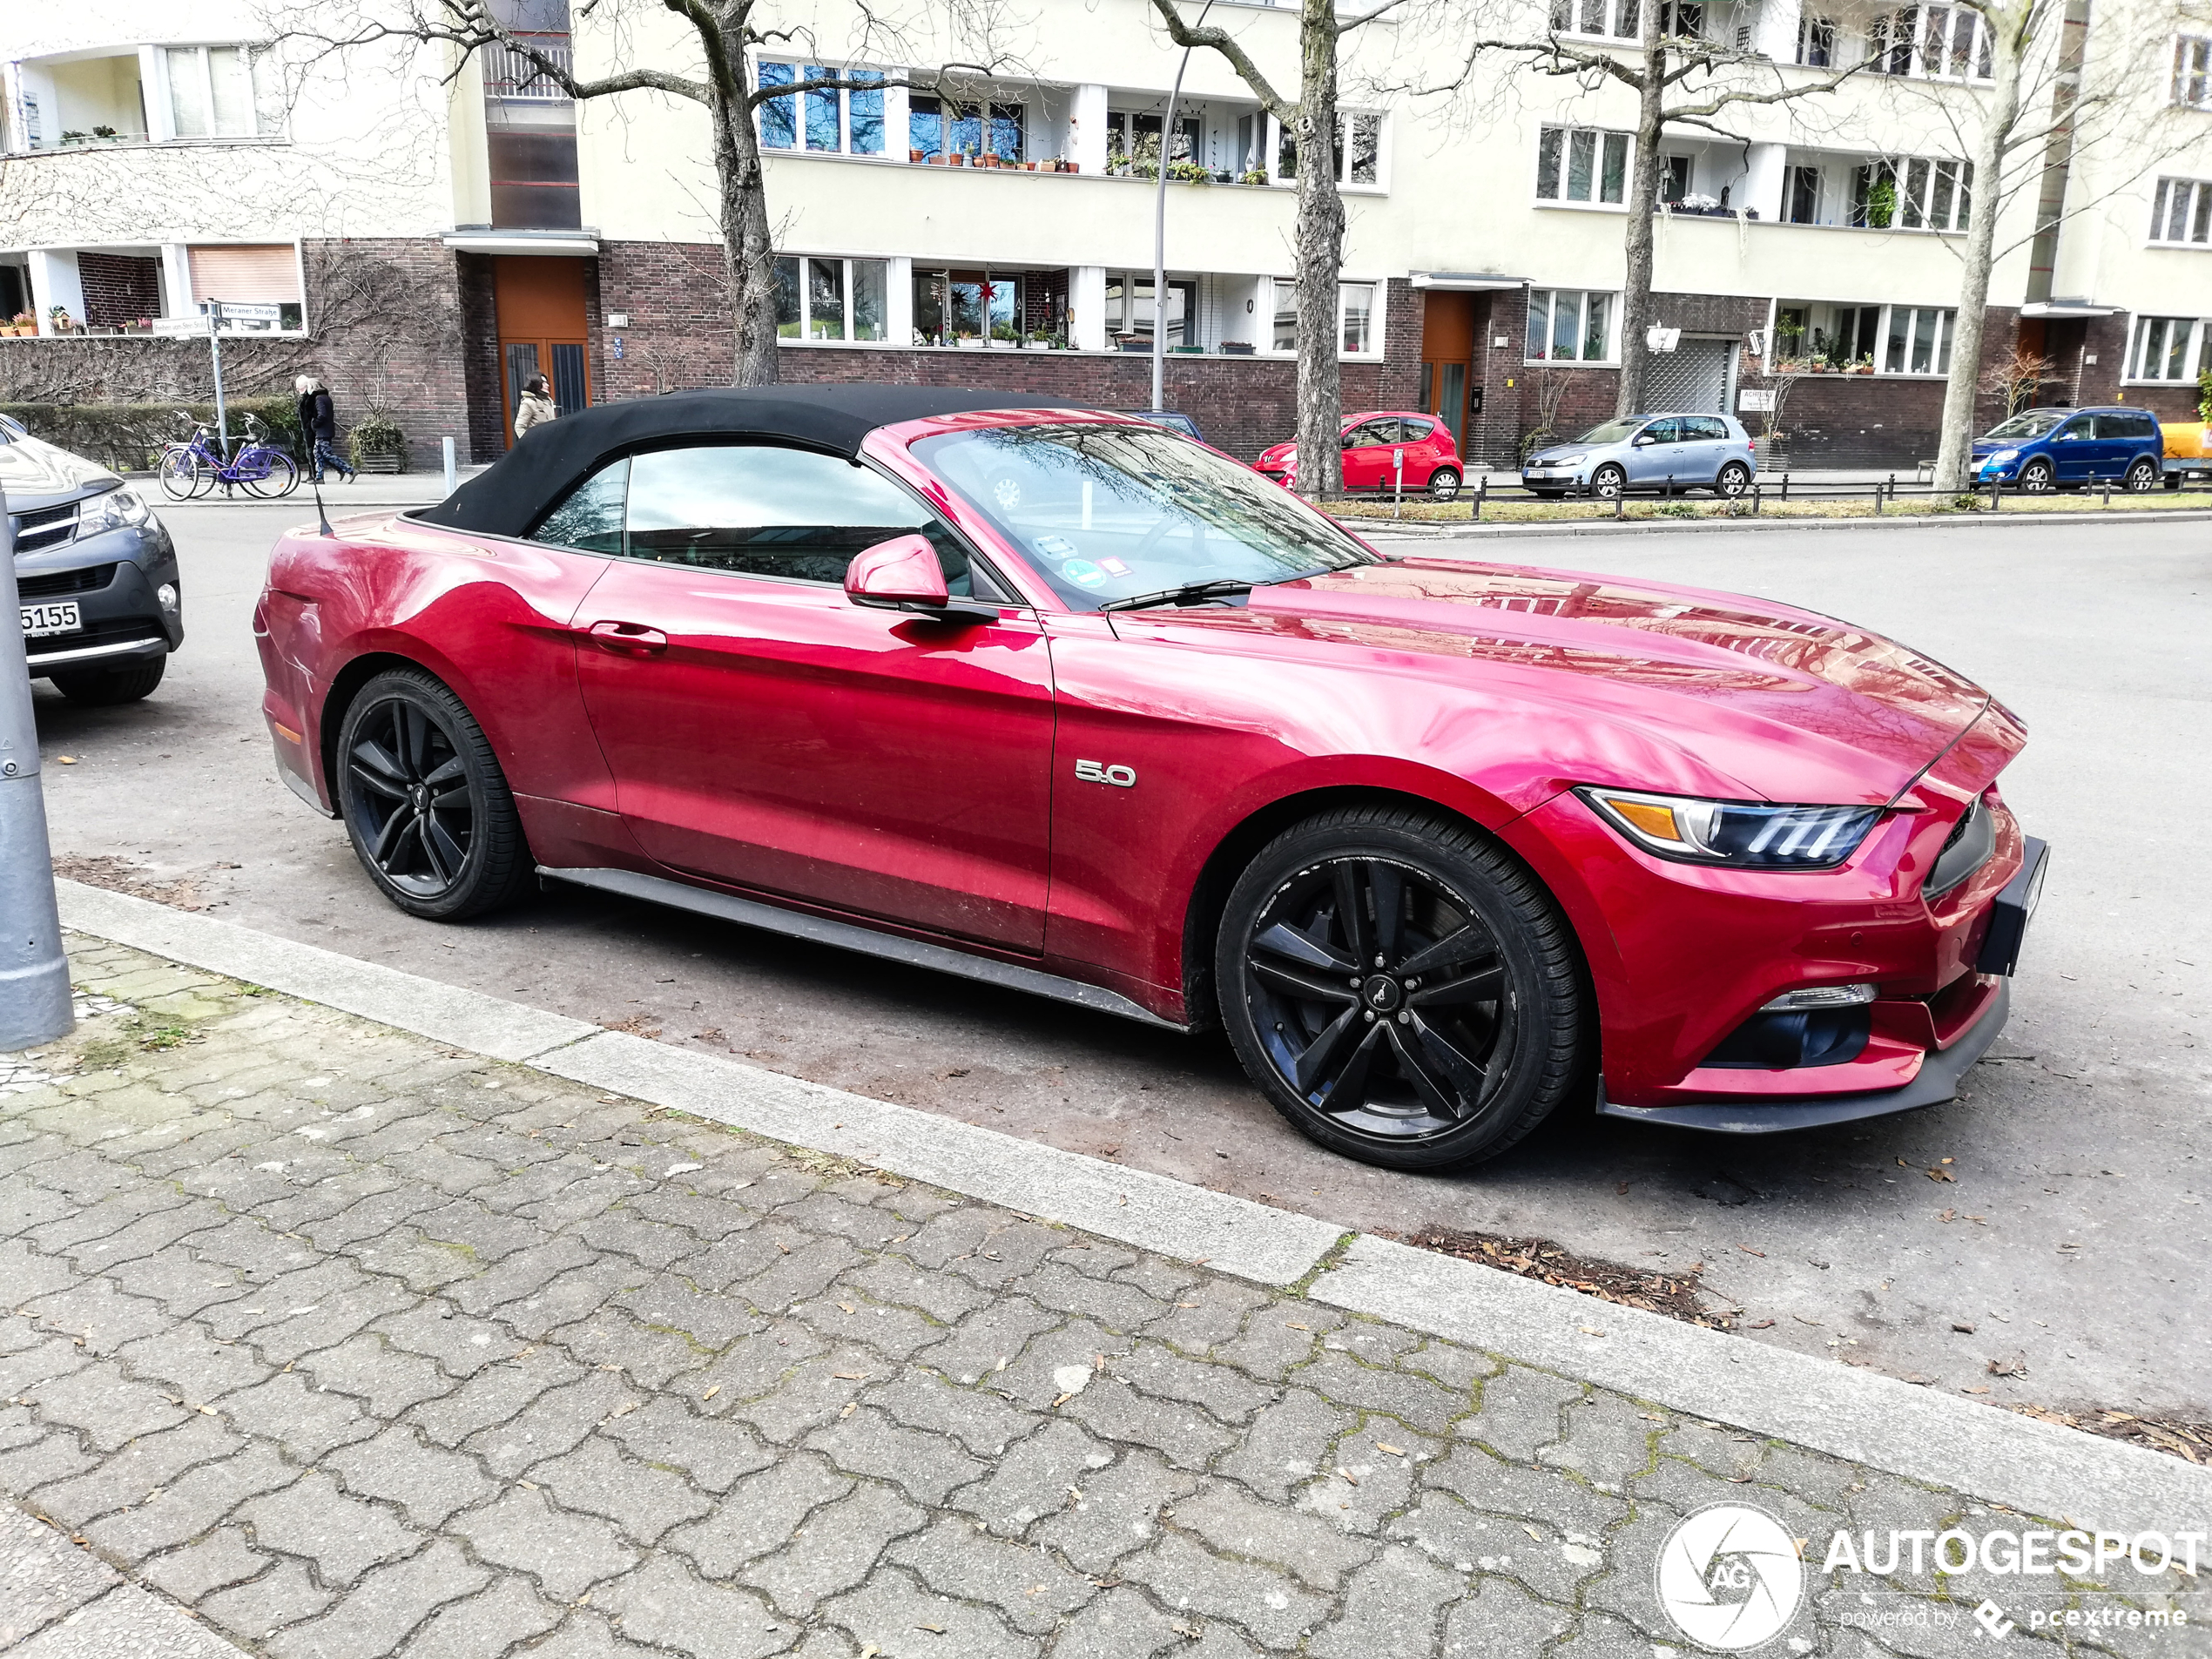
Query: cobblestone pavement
column 355, row 1345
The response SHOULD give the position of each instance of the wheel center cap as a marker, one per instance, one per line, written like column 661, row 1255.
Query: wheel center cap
column 422, row 794
column 1382, row 993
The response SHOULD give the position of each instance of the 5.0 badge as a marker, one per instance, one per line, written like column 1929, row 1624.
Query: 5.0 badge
column 1097, row 772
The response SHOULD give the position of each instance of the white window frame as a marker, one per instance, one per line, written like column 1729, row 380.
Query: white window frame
column 806, row 335
column 1616, row 19
column 1917, row 65
column 1600, row 139
column 2193, row 72
column 160, row 97
column 1943, row 329
column 1583, row 298
column 2195, row 206
column 1279, row 294
column 1927, row 172
column 2194, row 352
column 1381, row 186
column 801, row 71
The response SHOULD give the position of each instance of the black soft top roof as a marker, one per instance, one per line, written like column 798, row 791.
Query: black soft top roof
column 523, row 486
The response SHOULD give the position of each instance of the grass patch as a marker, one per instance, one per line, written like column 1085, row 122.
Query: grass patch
column 1519, row 511
column 165, row 1036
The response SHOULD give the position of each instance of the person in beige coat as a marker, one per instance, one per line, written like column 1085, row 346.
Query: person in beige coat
column 536, row 405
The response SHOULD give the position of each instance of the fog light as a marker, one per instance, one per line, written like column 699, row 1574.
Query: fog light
column 1819, row 996
column 166, row 593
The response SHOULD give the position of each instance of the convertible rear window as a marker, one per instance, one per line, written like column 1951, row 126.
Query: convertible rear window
column 748, row 509
column 1107, row 512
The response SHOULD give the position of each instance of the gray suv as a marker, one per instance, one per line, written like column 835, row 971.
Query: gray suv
column 1665, row 452
column 98, row 576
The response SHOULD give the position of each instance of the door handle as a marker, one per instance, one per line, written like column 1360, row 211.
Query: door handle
column 628, row 638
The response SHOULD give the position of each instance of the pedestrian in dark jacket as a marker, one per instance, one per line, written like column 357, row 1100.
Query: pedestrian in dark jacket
column 318, row 427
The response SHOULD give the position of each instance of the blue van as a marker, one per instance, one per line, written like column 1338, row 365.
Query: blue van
column 2040, row 450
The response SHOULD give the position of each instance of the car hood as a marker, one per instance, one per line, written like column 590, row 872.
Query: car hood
column 1991, row 446
column 1650, row 685
column 1277, row 454
column 1561, row 452
column 35, row 474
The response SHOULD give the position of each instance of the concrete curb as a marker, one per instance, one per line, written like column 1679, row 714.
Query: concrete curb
column 1998, row 1456
column 1388, row 529
column 59, row 1600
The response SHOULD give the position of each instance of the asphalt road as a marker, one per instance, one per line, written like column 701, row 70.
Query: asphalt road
column 2070, row 1238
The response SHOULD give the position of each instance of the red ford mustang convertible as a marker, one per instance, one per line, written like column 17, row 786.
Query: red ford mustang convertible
column 1069, row 704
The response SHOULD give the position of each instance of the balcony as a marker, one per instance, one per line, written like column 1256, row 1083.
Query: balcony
column 138, row 95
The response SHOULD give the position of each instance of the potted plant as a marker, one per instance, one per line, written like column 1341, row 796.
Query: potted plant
column 957, row 159
column 1881, row 203
column 1132, row 343
column 1866, row 366
column 1236, row 348
column 1255, row 176
column 915, row 156
column 376, row 444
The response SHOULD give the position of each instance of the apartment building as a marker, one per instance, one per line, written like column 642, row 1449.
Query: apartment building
column 432, row 234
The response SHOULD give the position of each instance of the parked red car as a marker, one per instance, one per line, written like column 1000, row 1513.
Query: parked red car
column 1373, row 442
column 1071, row 706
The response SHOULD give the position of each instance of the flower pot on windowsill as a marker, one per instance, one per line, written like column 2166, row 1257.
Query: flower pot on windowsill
column 1133, row 343
column 957, row 161
column 915, row 156
column 1186, row 351
column 967, row 343
column 1236, row 348
column 1864, row 369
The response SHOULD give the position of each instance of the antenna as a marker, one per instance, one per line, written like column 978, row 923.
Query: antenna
column 322, row 517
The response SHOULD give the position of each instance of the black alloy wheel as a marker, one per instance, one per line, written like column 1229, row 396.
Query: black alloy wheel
column 1607, row 481
column 1735, row 478
column 2141, row 477
column 2039, row 477
column 425, row 804
column 1399, row 989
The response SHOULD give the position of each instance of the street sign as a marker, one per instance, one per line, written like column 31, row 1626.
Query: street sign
column 179, row 326
column 232, row 311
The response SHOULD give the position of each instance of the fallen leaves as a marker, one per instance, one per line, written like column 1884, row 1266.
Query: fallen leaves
column 1938, row 1173
column 1748, row 1251
column 1677, row 1295
column 1385, row 1445
column 713, row 1390
column 2010, row 1365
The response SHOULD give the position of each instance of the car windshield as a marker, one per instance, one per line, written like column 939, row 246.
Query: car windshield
column 1110, row 512
column 1612, row 432
column 2033, row 423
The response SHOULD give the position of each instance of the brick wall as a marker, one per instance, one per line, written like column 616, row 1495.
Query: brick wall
column 679, row 337
column 118, row 287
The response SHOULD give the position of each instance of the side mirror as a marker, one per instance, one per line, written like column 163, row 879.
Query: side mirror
column 1643, row 438
column 902, row 574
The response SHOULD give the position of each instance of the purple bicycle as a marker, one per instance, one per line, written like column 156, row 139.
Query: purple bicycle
column 191, row 470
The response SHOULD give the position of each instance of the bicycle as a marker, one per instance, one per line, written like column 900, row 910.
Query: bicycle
column 190, row 470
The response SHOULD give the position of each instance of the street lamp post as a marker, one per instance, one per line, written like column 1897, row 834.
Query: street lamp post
column 1160, row 230
column 34, row 975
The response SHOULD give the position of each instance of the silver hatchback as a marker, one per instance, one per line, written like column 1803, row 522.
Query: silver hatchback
column 1664, row 452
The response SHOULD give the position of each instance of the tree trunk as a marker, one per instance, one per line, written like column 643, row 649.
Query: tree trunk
column 1643, row 191
column 747, row 251
column 1319, row 258
column 1954, row 453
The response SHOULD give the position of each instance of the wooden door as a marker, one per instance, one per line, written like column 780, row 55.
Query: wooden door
column 543, row 328
column 1447, row 359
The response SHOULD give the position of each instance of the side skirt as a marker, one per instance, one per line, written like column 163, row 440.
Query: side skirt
column 845, row 935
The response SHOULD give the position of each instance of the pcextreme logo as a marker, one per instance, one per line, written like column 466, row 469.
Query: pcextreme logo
column 1729, row 1577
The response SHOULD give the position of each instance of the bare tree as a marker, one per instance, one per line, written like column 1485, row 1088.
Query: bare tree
column 715, row 74
column 2049, row 103
column 1318, row 257
column 2017, row 378
column 1680, row 81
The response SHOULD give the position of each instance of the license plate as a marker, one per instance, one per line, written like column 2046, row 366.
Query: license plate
column 62, row 618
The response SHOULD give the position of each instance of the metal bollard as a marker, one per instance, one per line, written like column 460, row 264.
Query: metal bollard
column 1618, row 500
column 1992, row 496
column 1878, row 499
column 35, row 1003
column 1481, row 492
column 1786, row 486
column 1755, row 501
column 450, row 467
column 2108, row 501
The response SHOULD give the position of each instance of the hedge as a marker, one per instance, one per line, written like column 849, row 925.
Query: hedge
column 128, row 436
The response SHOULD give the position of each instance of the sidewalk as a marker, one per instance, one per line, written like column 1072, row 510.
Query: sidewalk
column 356, row 1342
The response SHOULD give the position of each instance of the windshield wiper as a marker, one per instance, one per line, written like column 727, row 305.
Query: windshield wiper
column 1182, row 594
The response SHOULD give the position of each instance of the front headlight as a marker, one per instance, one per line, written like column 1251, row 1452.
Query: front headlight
column 118, row 509
column 1748, row 836
column 2005, row 454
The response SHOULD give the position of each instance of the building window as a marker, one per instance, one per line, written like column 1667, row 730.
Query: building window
column 1918, row 341
column 2161, row 350
column 1358, row 325
column 828, row 120
column 1607, row 19
column 1933, row 43
column 1359, row 150
column 946, row 126
column 1816, row 42
column 1581, row 165
column 212, row 95
column 1566, row 325
column 1674, row 178
column 1912, row 194
column 2181, row 212
column 2193, row 72
column 1801, row 201
column 1129, row 307
column 818, row 298
column 1683, row 19
column 953, row 305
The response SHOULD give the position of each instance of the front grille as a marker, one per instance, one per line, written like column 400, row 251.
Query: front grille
column 45, row 527
column 97, row 633
column 55, row 584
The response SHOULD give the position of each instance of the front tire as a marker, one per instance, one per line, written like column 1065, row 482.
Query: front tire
column 105, row 688
column 1607, row 481
column 1443, row 484
column 1399, row 989
column 2141, row 477
column 2039, row 477
column 426, row 805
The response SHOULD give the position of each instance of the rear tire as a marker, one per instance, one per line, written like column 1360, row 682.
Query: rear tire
column 1399, row 989
column 1444, row 484
column 1734, row 480
column 101, row 688
column 425, row 804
